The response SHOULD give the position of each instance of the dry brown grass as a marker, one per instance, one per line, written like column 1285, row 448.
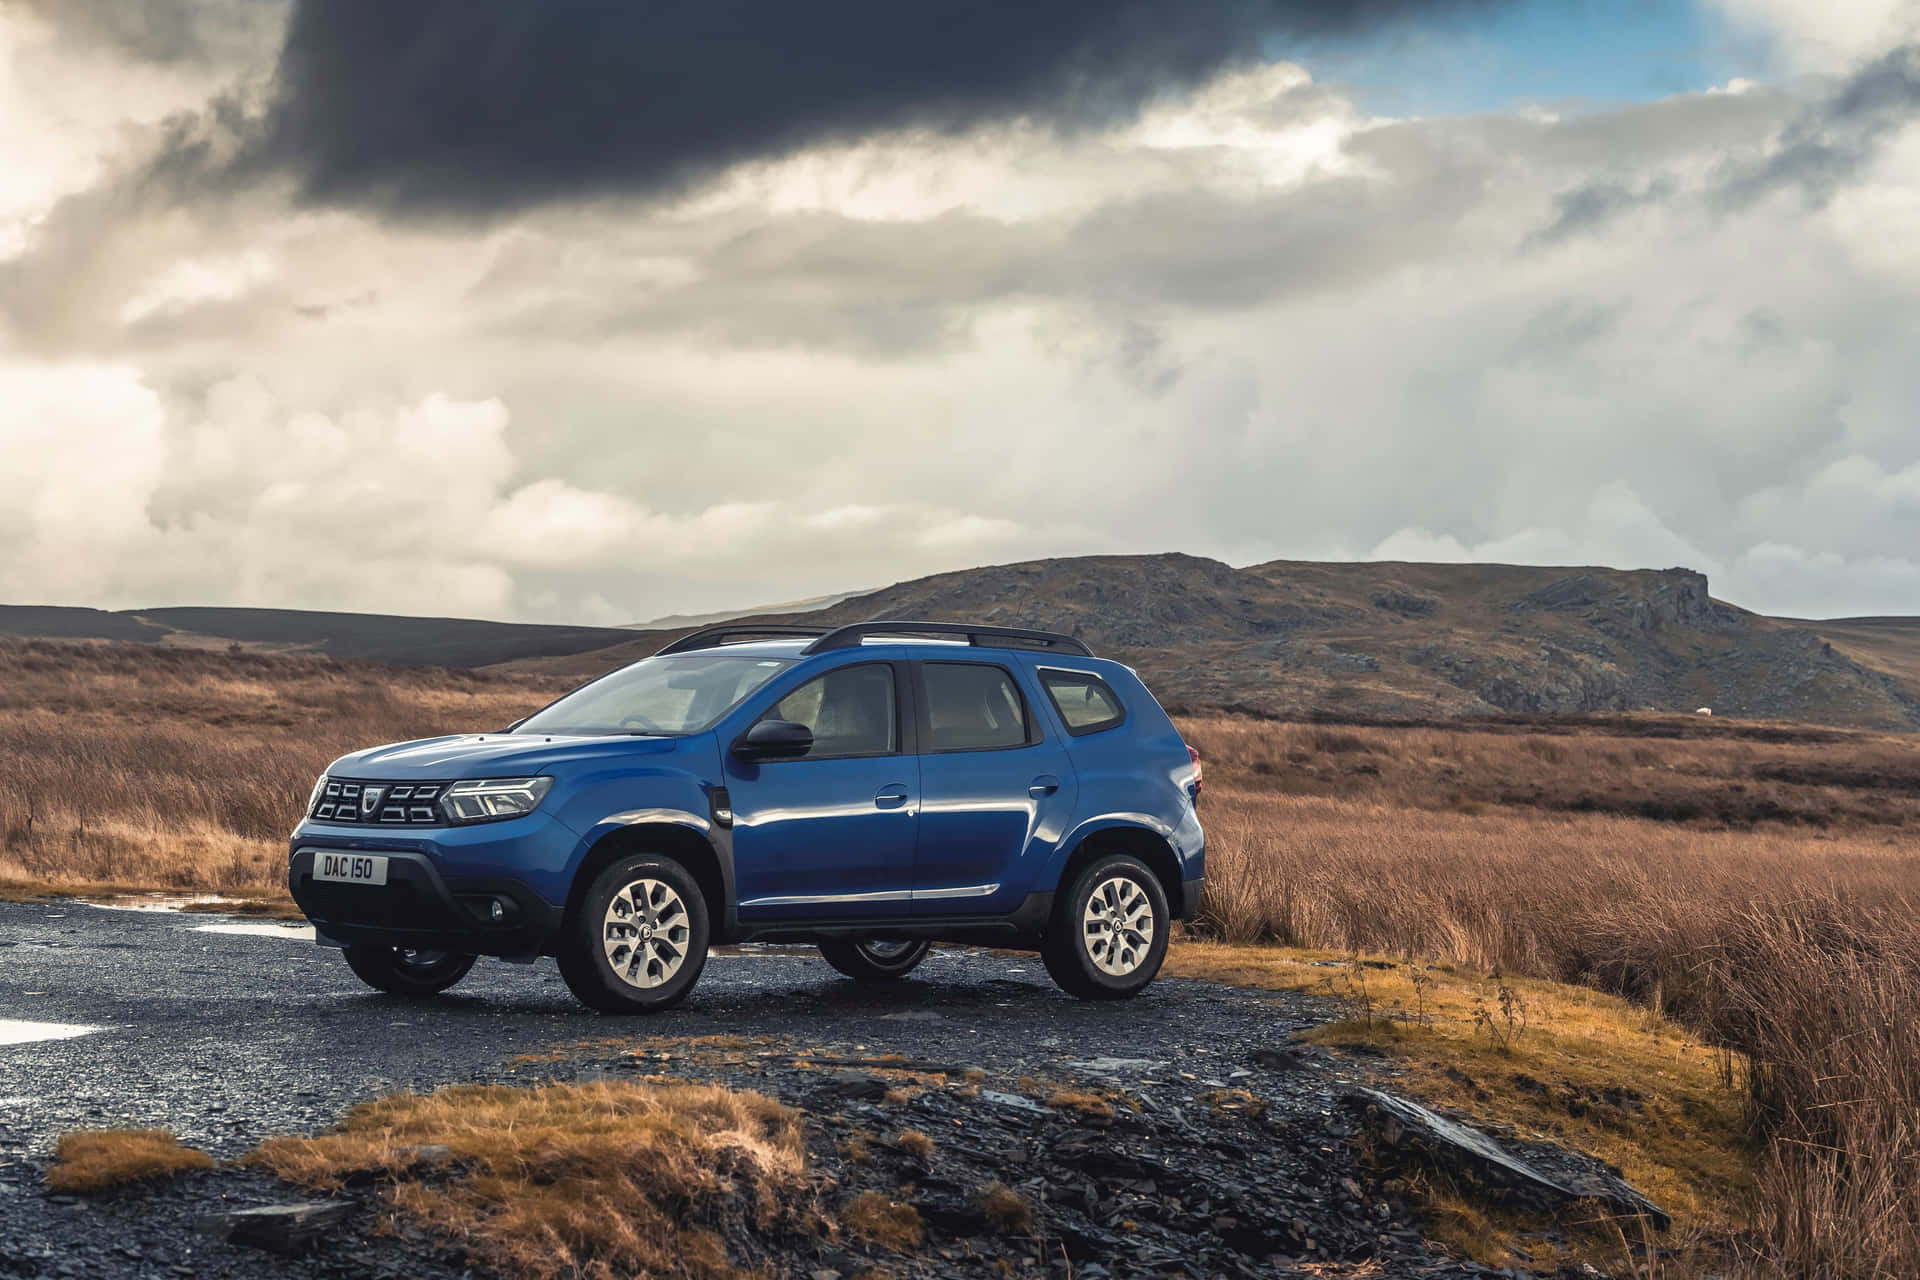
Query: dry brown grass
column 595, row 1180
column 100, row 1159
column 878, row 1219
column 1088, row 1106
column 1786, row 929
column 914, row 1142
column 1005, row 1209
column 154, row 768
column 1696, row 770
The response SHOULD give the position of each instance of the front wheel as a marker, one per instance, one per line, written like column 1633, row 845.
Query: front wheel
column 1109, row 931
column 871, row 959
column 403, row 971
column 640, row 940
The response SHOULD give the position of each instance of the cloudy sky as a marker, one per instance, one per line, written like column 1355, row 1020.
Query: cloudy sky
column 589, row 311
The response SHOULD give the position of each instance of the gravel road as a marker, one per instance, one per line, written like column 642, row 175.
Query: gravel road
column 228, row 1032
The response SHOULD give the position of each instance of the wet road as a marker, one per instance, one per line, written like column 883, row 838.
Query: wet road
column 228, row 1032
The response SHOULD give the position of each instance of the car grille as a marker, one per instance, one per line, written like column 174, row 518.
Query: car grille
column 394, row 804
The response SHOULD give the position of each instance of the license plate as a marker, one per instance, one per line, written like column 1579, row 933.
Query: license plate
column 350, row 868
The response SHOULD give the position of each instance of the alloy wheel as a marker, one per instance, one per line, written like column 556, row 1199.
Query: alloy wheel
column 645, row 933
column 1118, row 926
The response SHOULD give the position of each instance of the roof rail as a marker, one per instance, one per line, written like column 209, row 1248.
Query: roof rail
column 733, row 632
column 975, row 634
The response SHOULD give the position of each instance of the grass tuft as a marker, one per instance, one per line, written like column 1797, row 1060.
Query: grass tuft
column 92, row 1160
column 1005, row 1209
column 874, row 1217
column 569, row 1180
column 1088, row 1106
column 914, row 1143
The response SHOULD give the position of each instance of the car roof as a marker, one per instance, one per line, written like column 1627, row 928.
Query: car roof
column 905, row 646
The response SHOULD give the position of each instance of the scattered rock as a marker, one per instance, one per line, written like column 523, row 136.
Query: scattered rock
column 1478, row 1161
column 1280, row 1060
column 283, row 1228
column 850, row 1086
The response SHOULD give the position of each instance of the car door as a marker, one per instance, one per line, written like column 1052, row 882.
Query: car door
column 997, row 790
column 829, row 835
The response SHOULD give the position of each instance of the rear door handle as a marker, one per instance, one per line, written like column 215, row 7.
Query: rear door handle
column 1044, row 785
column 891, row 796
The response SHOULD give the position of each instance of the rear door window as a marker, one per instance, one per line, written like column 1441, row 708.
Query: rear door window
column 1085, row 702
column 973, row 706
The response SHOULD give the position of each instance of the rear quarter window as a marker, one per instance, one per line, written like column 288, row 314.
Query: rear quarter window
column 1086, row 703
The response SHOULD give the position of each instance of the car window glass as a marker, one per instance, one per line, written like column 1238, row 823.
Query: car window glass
column 676, row 694
column 971, row 707
column 1086, row 702
column 850, row 712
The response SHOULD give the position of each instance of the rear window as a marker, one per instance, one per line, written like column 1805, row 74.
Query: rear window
column 973, row 707
column 1087, row 703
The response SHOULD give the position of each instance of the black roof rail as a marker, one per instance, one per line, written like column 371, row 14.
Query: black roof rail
column 732, row 632
column 976, row 634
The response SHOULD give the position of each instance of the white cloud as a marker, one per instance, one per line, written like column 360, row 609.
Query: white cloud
column 1826, row 35
column 193, row 282
column 1825, row 584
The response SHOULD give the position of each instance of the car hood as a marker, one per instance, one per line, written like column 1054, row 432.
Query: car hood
column 492, row 755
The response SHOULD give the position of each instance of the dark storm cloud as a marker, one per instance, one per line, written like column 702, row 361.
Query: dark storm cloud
column 482, row 105
column 1592, row 205
column 1836, row 139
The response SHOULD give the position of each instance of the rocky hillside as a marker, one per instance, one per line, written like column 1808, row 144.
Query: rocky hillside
column 1386, row 640
column 1348, row 641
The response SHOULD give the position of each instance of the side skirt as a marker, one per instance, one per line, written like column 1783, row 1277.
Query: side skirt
column 1024, row 927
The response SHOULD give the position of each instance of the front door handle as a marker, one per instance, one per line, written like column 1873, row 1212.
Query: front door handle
column 891, row 796
column 1044, row 785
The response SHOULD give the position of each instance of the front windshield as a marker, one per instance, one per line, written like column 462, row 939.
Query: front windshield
column 683, row 693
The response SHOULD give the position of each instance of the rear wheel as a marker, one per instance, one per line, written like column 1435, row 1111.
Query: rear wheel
column 1109, row 931
column 873, row 959
column 404, row 971
column 640, row 940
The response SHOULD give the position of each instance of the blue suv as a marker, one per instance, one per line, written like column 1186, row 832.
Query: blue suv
column 872, row 789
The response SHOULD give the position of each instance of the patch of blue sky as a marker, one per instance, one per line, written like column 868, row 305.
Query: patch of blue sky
column 1554, row 52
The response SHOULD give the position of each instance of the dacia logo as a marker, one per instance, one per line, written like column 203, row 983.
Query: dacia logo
column 370, row 800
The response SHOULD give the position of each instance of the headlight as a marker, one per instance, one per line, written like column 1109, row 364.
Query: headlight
column 491, row 799
column 314, row 798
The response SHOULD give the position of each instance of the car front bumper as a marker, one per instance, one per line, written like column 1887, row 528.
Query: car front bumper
column 431, row 901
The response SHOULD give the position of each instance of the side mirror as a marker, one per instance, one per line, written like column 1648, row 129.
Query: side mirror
column 774, row 740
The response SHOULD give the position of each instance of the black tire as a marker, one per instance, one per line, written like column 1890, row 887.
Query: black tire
column 613, row 978
column 1081, row 957
column 403, row 971
column 875, row 959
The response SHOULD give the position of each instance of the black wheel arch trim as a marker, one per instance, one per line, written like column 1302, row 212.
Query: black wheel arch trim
column 629, row 826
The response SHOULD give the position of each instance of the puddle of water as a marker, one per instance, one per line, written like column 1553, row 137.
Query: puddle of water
column 14, row 1031
column 287, row 932
column 160, row 902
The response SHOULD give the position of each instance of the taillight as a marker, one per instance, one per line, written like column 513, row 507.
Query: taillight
column 1198, row 772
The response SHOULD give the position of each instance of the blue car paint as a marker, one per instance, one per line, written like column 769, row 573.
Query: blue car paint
column 931, row 836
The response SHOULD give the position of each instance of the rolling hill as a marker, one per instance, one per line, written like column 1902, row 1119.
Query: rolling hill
column 444, row 642
column 1343, row 641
